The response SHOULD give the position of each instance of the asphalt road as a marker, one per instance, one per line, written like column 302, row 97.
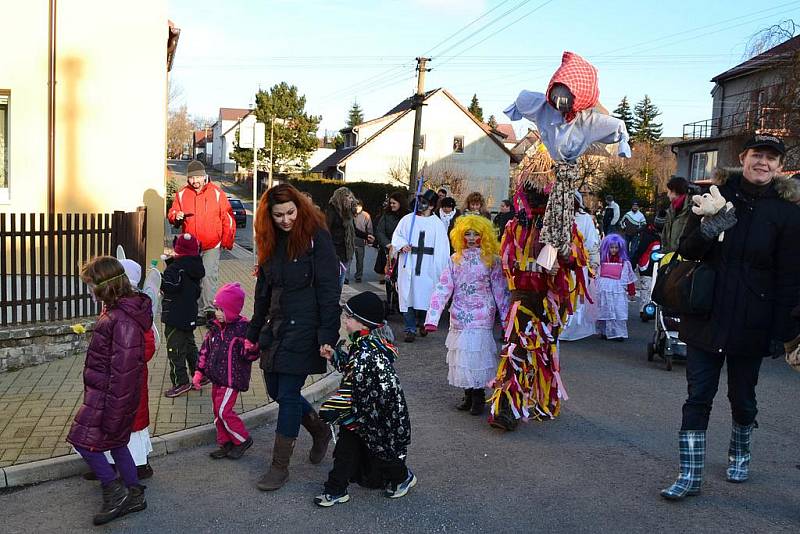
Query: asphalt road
column 597, row 468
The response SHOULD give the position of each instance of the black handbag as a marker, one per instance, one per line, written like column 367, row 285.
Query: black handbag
column 685, row 287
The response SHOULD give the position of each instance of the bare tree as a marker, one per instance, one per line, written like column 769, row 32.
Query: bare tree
column 448, row 175
column 179, row 132
column 770, row 37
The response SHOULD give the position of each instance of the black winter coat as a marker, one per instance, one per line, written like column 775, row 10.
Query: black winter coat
column 181, row 285
column 757, row 272
column 297, row 307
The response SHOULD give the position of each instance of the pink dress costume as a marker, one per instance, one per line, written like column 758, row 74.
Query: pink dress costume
column 478, row 291
column 614, row 285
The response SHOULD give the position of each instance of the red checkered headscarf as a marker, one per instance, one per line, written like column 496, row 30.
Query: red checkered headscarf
column 580, row 77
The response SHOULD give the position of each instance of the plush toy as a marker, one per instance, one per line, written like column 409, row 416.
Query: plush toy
column 717, row 213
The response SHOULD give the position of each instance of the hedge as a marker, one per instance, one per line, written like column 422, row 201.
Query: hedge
column 372, row 195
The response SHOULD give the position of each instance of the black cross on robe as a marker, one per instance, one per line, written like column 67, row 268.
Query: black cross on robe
column 420, row 250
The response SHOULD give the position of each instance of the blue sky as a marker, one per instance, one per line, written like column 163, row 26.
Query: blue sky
column 340, row 51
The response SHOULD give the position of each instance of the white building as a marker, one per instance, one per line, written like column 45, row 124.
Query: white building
column 224, row 136
column 454, row 143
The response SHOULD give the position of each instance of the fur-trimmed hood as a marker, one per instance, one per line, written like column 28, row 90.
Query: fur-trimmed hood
column 788, row 188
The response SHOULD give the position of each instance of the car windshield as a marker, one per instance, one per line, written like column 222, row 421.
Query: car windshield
column 236, row 203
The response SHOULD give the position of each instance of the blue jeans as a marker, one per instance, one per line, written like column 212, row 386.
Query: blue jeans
column 292, row 406
column 413, row 318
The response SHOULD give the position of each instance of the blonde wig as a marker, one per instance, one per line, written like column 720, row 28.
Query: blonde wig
column 490, row 247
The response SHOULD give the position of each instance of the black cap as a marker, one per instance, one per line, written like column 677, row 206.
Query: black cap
column 431, row 196
column 766, row 141
column 366, row 308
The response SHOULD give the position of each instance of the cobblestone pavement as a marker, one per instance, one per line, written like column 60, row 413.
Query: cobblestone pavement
column 37, row 404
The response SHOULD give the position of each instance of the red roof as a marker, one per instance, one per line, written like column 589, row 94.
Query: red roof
column 232, row 114
column 200, row 136
column 507, row 131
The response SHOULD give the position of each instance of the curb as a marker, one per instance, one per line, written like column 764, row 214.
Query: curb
column 72, row 464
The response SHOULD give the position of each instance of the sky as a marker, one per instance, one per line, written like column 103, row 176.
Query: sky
column 342, row 51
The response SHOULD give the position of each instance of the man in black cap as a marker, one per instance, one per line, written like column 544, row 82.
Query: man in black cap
column 750, row 246
column 424, row 251
column 202, row 209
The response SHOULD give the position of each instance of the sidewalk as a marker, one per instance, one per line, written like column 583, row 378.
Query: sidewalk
column 37, row 404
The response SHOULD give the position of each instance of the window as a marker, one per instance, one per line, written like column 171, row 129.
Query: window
column 458, row 144
column 4, row 145
column 703, row 164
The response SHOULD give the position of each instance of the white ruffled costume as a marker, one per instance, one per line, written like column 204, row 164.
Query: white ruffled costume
column 478, row 292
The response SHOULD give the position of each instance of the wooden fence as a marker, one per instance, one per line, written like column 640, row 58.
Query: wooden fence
column 41, row 258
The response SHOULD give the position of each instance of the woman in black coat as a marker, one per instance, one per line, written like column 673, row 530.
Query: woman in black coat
column 396, row 209
column 756, row 268
column 296, row 311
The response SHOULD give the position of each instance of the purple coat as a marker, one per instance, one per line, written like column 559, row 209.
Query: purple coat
column 223, row 357
column 112, row 376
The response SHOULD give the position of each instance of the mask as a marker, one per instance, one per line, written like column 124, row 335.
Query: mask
column 422, row 205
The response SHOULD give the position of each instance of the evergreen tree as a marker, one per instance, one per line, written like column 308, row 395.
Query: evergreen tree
column 492, row 122
column 295, row 131
column 646, row 130
column 475, row 108
column 623, row 113
column 355, row 116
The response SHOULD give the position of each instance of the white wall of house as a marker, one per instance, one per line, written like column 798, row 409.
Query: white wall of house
column 483, row 162
column 224, row 139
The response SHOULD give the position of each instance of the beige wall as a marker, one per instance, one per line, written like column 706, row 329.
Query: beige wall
column 111, row 95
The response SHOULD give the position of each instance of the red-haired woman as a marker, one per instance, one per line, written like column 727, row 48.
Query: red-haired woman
column 296, row 311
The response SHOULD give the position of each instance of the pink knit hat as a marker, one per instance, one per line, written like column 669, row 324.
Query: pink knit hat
column 186, row 245
column 230, row 299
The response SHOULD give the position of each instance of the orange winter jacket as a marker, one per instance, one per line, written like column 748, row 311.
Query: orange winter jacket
column 208, row 215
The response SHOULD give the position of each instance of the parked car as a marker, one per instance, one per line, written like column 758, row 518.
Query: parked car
column 238, row 212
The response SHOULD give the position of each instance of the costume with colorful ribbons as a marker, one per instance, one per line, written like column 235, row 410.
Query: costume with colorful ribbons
column 528, row 381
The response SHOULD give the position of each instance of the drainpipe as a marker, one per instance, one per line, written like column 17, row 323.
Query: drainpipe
column 51, row 108
column 340, row 171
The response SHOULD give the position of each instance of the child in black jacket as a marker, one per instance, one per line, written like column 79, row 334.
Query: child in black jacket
column 181, row 286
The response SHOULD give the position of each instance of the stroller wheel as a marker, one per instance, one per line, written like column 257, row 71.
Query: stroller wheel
column 651, row 352
column 669, row 363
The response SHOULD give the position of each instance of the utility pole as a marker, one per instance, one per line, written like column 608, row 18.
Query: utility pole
column 271, row 148
column 416, row 104
column 255, row 189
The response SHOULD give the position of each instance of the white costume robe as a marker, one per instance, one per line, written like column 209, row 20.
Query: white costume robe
column 582, row 323
column 415, row 288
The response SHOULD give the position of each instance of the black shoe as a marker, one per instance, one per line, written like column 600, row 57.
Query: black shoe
column 237, row 451
column 144, row 471
column 382, row 282
column 89, row 476
column 136, row 501
column 478, row 401
column 466, row 402
column 358, row 280
column 422, row 332
column 115, row 499
column 222, row 452
column 347, row 281
column 410, row 336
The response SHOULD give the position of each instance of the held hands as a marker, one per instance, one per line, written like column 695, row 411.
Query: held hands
column 251, row 350
column 326, row 351
column 198, row 376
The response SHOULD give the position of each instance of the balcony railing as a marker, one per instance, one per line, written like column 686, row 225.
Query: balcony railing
column 763, row 120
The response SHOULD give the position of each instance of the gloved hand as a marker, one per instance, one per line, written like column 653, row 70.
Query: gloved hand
column 430, row 328
column 789, row 346
column 251, row 350
column 198, row 376
column 711, row 227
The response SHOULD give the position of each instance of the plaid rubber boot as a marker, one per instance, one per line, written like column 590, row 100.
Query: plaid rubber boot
column 692, row 447
column 739, row 453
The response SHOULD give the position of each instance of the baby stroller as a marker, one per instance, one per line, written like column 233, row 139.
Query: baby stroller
column 665, row 344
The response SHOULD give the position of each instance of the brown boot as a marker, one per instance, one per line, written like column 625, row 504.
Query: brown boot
column 321, row 432
column 278, row 472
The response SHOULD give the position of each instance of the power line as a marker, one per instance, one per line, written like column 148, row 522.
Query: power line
column 428, row 52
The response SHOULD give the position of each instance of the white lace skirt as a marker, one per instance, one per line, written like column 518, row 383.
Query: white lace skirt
column 472, row 357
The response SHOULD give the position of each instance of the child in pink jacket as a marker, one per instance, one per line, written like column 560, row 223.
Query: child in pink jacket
column 225, row 358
